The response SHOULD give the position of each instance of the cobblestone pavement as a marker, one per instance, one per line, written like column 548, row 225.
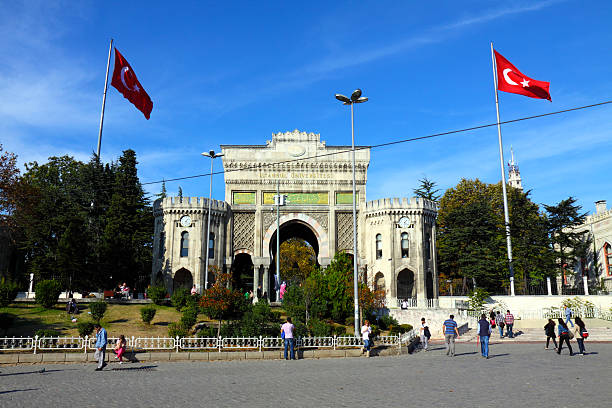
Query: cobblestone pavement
column 528, row 375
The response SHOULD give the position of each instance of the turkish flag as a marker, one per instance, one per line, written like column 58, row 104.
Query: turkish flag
column 124, row 79
column 510, row 79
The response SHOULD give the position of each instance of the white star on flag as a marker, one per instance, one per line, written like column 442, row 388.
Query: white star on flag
column 525, row 83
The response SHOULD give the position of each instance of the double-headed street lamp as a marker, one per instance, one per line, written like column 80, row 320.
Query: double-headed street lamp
column 355, row 98
column 212, row 156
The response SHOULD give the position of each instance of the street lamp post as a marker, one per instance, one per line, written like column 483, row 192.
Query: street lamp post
column 212, row 156
column 355, row 98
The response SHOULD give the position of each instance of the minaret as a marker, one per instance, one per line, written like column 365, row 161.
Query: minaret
column 514, row 175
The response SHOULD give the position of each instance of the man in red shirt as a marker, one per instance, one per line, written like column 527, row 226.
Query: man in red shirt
column 509, row 323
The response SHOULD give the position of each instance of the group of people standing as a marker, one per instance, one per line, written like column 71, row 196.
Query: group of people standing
column 565, row 334
column 102, row 342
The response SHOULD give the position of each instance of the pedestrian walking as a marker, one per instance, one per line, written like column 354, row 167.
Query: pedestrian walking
column 564, row 336
column 492, row 319
column 581, row 333
column 366, row 330
column 568, row 316
column 499, row 319
column 287, row 331
column 549, row 329
column 484, row 332
column 425, row 334
column 101, row 341
column 283, row 289
column 449, row 327
column 509, row 320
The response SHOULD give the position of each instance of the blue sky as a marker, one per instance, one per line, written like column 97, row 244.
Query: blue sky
column 235, row 72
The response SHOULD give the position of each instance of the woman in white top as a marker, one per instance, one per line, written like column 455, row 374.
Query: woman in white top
column 365, row 333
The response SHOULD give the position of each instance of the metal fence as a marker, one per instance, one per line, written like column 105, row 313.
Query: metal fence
column 85, row 344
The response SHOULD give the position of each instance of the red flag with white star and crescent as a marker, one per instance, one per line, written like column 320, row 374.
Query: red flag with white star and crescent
column 124, row 79
column 510, row 79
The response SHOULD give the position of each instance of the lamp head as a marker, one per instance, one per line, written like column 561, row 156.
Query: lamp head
column 361, row 100
column 342, row 98
column 356, row 95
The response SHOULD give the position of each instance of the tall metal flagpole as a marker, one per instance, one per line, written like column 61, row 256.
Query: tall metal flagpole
column 503, row 174
column 110, row 48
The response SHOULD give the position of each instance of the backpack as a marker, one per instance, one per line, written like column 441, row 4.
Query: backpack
column 584, row 333
column 426, row 332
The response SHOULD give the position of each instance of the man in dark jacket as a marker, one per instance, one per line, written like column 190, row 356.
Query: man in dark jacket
column 484, row 332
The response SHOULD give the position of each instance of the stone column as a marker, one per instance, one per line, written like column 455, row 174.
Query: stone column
column 266, row 281
column 255, row 280
column 548, row 286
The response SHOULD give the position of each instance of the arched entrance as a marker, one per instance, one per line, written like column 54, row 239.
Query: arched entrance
column 242, row 272
column 296, row 229
column 182, row 279
column 379, row 281
column 405, row 284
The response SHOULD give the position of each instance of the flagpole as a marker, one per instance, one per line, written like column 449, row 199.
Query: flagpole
column 110, row 48
column 503, row 175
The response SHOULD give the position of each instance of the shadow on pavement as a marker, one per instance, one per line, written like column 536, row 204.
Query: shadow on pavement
column 139, row 368
column 25, row 389
column 498, row 355
column 34, row 372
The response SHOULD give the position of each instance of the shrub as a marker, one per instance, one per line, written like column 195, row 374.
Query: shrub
column 157, row 294
column 194, row 301
column 6, row 321
column 46, row 333
column 47, row 293
column 8, row 292
column 339, row 331
column 179, row 298
column 399, row 329
column 375, row 331
column 349, row 321
column 319, row 328
column 477, row 299
column 189, row 318
column 177, row 329
column 147, row 314
column 85, row 328
column 97, row 310
column 385, row 322
column 207, row 332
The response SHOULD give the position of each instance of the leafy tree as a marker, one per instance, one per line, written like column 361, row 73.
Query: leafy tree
column 297, row 260
column 163, row 193
column 222, row 303
column 9, row 178
column 157, row 294
column 180, row 193
column 569, row 245
column 427, row 189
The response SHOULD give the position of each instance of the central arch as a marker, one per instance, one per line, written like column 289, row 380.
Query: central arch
column 301, row 224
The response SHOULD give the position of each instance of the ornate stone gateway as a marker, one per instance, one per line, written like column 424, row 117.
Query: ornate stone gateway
column 317, row 180
column 395, row 236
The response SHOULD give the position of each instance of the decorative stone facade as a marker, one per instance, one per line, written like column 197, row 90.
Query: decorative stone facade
column 317, row 180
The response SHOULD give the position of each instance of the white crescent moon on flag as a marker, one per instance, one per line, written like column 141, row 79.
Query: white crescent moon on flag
column 508, row 80
column 125, row 69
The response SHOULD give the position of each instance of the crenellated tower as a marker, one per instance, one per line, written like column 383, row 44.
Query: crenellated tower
column 514, row 175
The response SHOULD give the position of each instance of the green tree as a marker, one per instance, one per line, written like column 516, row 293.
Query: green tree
column 163, row 193
column 569, row 245
column 427, row 189
column 128, row 235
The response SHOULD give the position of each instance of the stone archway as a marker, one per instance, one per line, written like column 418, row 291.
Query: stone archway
column 379, row 282
column 405, row 284
column 308, row 222
column 182, row 279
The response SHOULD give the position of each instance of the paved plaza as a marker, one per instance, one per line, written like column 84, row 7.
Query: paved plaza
column 527, row 374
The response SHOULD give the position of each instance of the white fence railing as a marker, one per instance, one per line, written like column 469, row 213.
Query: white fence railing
column 177, row 344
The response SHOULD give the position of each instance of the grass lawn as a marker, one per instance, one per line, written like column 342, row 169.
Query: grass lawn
column 119, row 319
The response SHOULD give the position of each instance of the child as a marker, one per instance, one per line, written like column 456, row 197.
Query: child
column 120, row 347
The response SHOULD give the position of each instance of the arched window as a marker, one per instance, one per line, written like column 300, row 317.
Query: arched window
column 379, row 281
column 608, row 258
column 211, row 246
column 378, row 246
column 405, row 243
column 185, row 244
column 427, row 246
